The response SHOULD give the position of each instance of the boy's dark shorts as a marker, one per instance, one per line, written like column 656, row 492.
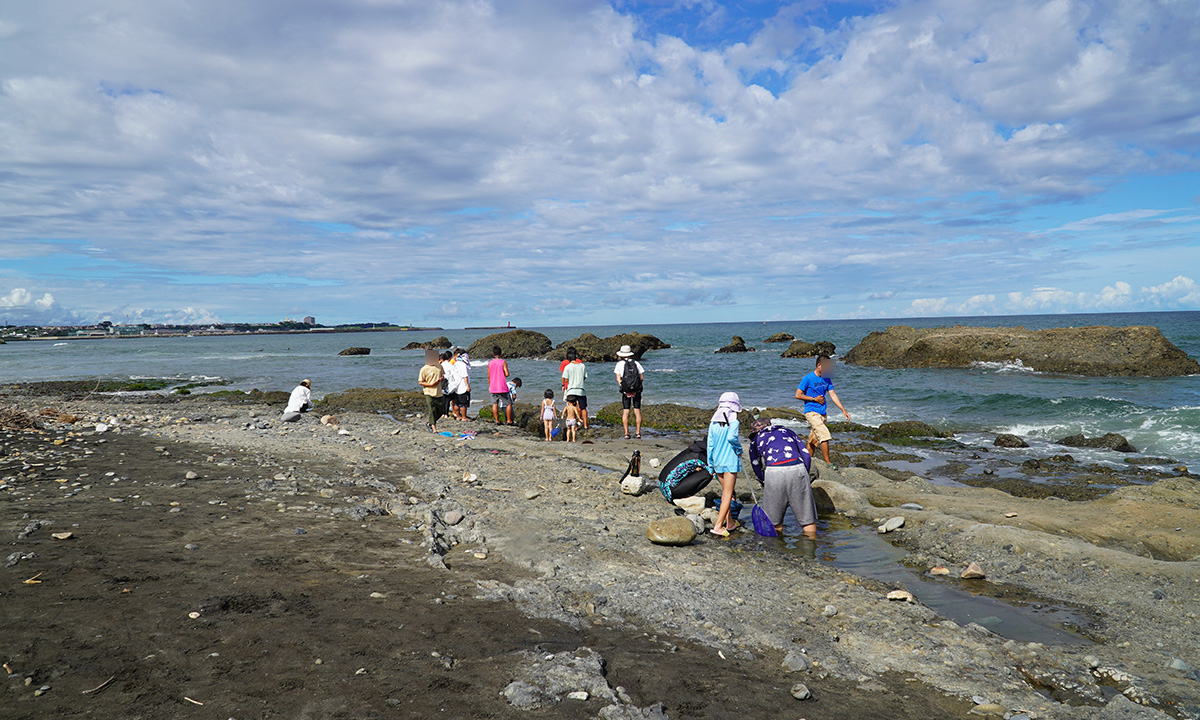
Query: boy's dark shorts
column 631, row 402
column 579, row 401
column 462, row 399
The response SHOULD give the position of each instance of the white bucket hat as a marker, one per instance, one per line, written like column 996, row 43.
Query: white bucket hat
column 625, row 352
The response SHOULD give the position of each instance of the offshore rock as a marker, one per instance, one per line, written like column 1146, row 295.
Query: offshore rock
column 1097, row 351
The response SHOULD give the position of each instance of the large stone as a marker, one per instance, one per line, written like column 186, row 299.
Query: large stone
column 438, row 343
column 1098, row 351
column 804, row 349
column 512, row 344
column 674, row 531
column 795, row 662
column 1111, row 441
column 1006, row 440
column 737, row 345
column 973, row 572
column 780, row 337
column 356, row 351
column 891, row 524
column 636, row 485
column 591, row 348
column 905, row 429
column 800, row 691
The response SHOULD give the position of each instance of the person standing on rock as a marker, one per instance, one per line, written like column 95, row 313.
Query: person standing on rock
column 498, row 386
column 300, row 402
column 459, row 377
column 630, row 377
column 815, row 390
column 430, row 379
column 574, row 372
column 725, row 457
column 781, row 462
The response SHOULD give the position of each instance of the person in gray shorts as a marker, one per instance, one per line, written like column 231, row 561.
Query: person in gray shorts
column 780, row 460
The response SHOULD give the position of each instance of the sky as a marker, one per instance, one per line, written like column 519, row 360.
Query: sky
column 567, row 162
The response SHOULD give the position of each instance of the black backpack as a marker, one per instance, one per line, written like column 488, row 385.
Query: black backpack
column 631, row 380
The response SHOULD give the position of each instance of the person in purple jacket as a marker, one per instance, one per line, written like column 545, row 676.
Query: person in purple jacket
column 780, row 460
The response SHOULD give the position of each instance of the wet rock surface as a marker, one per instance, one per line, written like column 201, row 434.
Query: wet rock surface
column 804, row 349
column 512, row 344
column 736, row 345
column 440, row 342
column 1111, row 441
column 1095, row 351
column 592, row 348
column 356, row 351
column 780, row 337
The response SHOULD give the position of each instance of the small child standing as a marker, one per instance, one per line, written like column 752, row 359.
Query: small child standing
column 549, row 413
column 571, row 417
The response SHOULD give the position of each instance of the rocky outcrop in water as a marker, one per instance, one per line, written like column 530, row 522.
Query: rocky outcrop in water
column 1111, row 441
column 513, row 344
column 438, row 343
column 597, row 349
column 1097, row 351
column 737, row 345
column 1006, row 440
column 356, row 351
column 780, row 337
column 804, row 349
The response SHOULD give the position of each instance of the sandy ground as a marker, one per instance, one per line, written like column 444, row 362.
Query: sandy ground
column 313, row 545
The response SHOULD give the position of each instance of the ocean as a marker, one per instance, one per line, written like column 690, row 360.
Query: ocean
column 1160, row 416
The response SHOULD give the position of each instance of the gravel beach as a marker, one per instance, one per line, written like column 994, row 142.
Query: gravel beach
column 220, row 564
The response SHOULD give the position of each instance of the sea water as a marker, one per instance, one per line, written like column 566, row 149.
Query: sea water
column 1161, row 416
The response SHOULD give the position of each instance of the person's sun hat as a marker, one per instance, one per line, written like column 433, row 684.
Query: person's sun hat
column 625, row 352
column 305, row 382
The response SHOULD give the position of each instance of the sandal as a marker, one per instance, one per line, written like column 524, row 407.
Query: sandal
column 627, row 436
column 720, row 532
column 638, row 436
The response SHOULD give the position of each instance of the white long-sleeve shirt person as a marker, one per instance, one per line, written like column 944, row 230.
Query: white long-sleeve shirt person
column 300, row 401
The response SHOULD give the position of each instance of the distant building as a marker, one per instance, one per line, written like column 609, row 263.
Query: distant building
column 310, row 320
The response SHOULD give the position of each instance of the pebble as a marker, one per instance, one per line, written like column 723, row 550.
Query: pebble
column 1177, row 664
column 174, row 509
column 987, row 709
column 378, row 595
column 194, row 615
column 577, row 695
column 453, row 517
column 673, row 531
column 62, row 535
column 829, row 611
column 191, row 475
column 41, row 691
column 939, row 570
column 800, row 691
column 973, row 572
column 343, row 431
column 901, row 595
column 191, row 546
column 912, row 506
column 481, row 556
column 892, row 523
column 299, row 531
column 531, row 494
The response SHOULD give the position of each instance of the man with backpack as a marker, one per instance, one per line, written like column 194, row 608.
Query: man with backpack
column 630, row 375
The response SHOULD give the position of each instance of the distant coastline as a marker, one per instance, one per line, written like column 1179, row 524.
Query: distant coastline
column 198, row 331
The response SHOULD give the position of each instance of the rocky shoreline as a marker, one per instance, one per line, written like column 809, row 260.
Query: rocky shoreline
column 544, row 528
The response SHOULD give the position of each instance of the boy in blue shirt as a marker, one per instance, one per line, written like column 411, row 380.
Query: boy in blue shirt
column 813, row 390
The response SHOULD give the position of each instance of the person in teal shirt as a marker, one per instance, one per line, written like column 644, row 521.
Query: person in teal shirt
column 725, row 456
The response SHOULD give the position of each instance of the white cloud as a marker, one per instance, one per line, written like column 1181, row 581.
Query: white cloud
column 478, row 147
column 1181, row 293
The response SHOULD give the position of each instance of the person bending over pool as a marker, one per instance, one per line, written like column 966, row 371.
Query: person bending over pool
column 781, row 462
